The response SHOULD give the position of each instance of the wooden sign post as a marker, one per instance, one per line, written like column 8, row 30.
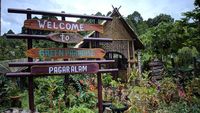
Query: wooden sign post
column 54, row 53
column 66, row 37
column 66, row 69
column 60, row 25
column 65, row 53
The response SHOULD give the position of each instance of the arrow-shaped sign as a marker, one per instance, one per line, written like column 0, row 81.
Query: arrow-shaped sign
column 66, row 37
column 65, row 53
column 60, row 25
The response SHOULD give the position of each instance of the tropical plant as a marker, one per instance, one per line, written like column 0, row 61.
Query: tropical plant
column 80, row 109
column 143, row 96
column 193, row 91
column 183, row 61
column 49, row 93
column 168, row 90
column 178, row 107
column 5, row 89
column 134, row 77
column 106, row 79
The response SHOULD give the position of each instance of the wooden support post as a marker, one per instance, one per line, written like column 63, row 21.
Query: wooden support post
column 100, row 106
column 96, row 34
column 30, row 79
column 66, row 78
column 90, row 44
column 129, row 61
column 133, row 49
column 139, row 62
column 99, row 82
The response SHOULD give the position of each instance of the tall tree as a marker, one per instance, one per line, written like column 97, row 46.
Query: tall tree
column 10, row 32
column 158, row 19
column 135, row 20
column 191, row 21
column 89, row 21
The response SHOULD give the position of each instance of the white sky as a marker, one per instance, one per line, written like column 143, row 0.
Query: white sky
column 147, row 8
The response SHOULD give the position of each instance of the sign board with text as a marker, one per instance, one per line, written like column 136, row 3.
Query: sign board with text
column 65, row 53
column 66, row 69
column 66, row 37
column 60, row 25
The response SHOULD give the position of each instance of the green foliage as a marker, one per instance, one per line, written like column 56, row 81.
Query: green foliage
column 135, row 20
column 4, row 91
column 163, row 37
column 134, row 75
column 193, row 91
column 195, row 83
column 181, row 58
column 168, row 90
column 87, row 99
column 50, row 95
column 11, row 49
column 162, row 96
column 24, row 99
column 8, row 89
column 159, row 19
column 80, row 109
column 114, row 83
column 166, row 39
column 178, row 107
column 107, row 79
column 117, row 105
column 142, row 96
column 158, row 39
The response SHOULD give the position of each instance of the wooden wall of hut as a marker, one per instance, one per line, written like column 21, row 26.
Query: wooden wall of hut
column 122, row 39
column 123, row 43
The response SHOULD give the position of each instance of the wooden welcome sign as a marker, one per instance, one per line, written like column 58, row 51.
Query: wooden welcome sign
column 66, row 37
column 66, row 69
column 54, row 53
column 59, row 25
column 65, row 53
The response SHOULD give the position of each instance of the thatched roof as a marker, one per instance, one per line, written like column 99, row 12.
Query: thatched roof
column 138, row 44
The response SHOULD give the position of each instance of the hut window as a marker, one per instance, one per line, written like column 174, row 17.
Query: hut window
column 121, row 61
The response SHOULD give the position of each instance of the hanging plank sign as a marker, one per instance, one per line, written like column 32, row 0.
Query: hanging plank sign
column 66, row 37
column 66, row 69
column 65, row 53
column 60, row 25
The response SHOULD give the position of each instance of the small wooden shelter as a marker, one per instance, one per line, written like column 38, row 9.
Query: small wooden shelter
column 123, row 47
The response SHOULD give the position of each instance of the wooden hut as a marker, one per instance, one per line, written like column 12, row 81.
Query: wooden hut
column 122, row 48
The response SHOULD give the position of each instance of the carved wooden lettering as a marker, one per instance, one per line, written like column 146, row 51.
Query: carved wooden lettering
column 66, row 37
column 59, row 25
column 65, row 53
column 66, row 69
